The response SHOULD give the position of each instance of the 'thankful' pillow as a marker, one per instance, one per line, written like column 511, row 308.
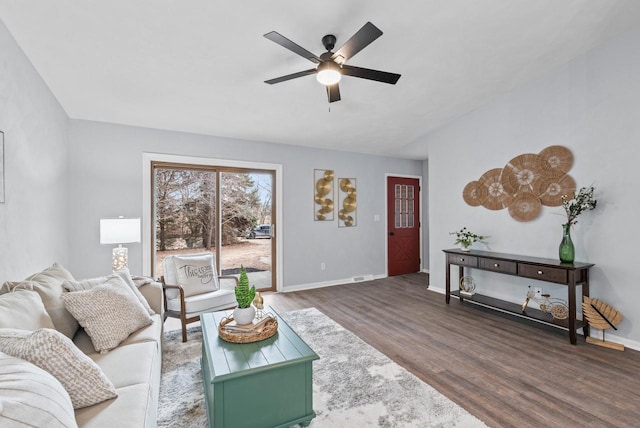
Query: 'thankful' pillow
column 196, row 275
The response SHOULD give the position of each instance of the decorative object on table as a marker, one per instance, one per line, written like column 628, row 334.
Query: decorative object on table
column 601, row 316
column 245, row 312
column 525, row 184
column 1, row 167
column 467, row 286
column 466, row 238
column 348, row 201
column 258, row 303
column 323, row 199
column 581, row 201
column 556, row 307
column 230, row 331
column 119, row 231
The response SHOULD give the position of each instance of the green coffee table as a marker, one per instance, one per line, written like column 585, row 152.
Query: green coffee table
column 262, row 384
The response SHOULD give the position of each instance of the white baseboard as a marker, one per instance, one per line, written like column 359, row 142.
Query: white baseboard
column 312, row 285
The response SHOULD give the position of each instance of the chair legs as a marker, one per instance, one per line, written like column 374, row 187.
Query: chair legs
column 184, row 331
column 184, row 322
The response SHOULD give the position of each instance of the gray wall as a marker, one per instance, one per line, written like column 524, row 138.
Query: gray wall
column 33, row 220
column 591, row 105
column 105, row 170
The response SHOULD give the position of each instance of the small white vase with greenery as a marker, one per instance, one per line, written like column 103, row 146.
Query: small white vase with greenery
column 466, row 238
column 245, row 312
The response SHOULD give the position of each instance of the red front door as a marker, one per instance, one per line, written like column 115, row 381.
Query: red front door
column 403, row 225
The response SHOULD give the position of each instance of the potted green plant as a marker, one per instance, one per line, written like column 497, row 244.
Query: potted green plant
column 466, row 238
column 245, row 312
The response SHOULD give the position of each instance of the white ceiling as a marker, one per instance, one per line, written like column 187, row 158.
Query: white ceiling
column 199, row 66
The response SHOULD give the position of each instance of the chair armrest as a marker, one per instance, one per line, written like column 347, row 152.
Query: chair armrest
column 226, row 277
column 178, row 286
column 152, row 291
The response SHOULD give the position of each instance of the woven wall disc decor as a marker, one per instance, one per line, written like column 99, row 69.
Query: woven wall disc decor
column 525, row 184
column 525, row 207
column 497, row 198
column 475, row 193
column 555, row 161
column 551, row 190
column 521, row 173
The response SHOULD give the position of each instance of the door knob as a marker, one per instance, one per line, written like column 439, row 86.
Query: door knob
column 391, row 233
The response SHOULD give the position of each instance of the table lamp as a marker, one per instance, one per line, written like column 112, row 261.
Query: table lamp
column 119, row 231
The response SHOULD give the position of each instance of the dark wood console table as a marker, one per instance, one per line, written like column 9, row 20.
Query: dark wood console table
column 549, row 270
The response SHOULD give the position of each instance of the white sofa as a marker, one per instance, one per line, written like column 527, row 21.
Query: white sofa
column 133, row 367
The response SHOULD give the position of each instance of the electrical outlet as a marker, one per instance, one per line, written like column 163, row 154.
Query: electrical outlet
column 538, row 291
column 323, row 266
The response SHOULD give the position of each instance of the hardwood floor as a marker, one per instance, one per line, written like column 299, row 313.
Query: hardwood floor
column 506, row 372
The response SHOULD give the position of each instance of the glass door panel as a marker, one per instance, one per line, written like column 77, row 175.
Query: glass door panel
column 246, row 223
column 185, row 212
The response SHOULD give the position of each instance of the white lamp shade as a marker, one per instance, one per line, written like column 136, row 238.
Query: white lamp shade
column 119, row 230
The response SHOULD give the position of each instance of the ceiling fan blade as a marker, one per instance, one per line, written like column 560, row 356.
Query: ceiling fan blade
column 333, row 93
column 363, row 37
column 367, row 73
column 291, row 76
column 293, row 47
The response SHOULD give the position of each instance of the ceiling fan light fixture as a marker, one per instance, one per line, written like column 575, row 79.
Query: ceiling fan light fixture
column 328, row 73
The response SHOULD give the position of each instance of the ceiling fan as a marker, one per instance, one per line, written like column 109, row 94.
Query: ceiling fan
column 331, row 65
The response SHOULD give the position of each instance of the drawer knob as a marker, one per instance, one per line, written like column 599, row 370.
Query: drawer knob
column 540, row 272
column 461, row 259
column 496, row 265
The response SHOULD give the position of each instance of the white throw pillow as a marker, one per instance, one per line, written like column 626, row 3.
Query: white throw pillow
column 55, row 353
column 31, row 397
column 87, row 284
column 48, row 284
column 196, row 274
column 109, row 313
column 23, row 309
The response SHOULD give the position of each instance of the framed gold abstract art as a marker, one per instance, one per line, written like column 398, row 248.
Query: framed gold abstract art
column 323, row 194
column 348, row 198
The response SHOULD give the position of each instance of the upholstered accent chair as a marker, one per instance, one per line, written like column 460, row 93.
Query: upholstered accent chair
column 192, row 287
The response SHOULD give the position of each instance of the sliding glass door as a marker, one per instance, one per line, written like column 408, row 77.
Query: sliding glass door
column 227, row 211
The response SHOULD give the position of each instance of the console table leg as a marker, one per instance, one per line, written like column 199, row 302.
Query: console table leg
column 585, row 292
column 447, row 283
column 572, row 307
column 460, row 275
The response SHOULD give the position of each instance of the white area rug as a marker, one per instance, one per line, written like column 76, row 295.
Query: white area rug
column 354, row 385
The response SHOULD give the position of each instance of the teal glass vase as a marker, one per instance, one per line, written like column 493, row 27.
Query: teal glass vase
column 567, row 251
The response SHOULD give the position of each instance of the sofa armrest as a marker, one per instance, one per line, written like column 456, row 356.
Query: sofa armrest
column 153, row 293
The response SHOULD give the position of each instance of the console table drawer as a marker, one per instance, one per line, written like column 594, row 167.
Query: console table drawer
column 456, row 259
column 543, row 273
column 502, row 266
